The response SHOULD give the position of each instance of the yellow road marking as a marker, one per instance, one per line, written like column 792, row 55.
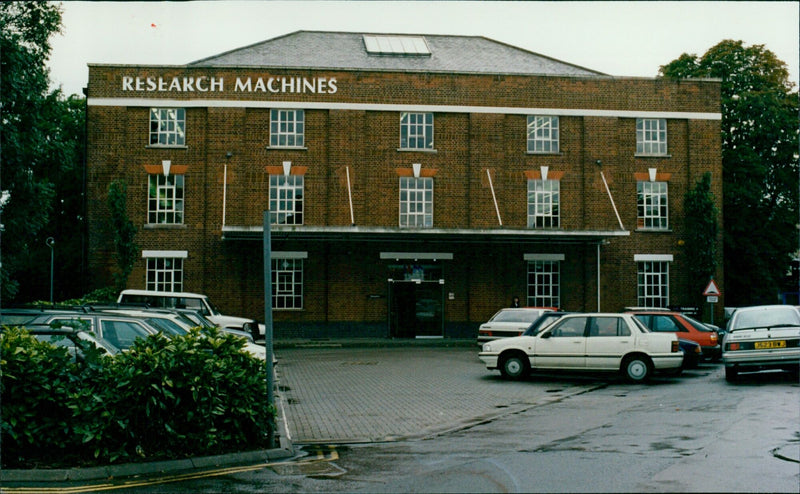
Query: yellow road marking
column 127, row 484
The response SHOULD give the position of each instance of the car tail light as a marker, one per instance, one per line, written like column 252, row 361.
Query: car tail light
column 713, row 337
column 675, row 346
column 698, row 350
column 733, row 346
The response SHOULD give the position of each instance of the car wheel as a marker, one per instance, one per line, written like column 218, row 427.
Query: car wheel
column 731, row 374
column 637, row 368
column 515, row 366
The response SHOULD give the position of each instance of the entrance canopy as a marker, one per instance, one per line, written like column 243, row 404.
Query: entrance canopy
column 379, row 234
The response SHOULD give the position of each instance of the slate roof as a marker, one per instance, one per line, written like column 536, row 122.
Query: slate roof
column 346, row 50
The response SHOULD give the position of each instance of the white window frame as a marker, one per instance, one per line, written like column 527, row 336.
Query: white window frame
column 543, row 134
column 167, row 127
column 652, row 205
column 651, row 136
column 287, row 128
column 543, row 203
column 416, row 131
column 165, row 196
column 543, row 280
column 286, row 199
column 164, row 270
column 652, row 280
column 287, row 280
column 416, row 202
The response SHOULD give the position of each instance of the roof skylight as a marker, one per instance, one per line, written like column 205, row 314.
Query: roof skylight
column 395, row 45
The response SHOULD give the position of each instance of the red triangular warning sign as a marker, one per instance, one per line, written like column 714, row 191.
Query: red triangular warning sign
column 711, row 289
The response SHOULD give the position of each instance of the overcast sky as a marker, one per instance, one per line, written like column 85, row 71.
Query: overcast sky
column 617, row 38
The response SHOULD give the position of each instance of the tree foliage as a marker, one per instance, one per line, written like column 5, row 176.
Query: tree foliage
column 41, row 153
column 123, row 231
column 189, row 395
column 760, row 164
column 701, row 234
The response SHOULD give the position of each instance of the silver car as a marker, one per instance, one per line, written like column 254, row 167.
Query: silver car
column 760, row 338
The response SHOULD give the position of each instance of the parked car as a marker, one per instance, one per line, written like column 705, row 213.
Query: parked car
column 186, row 300
column 587, row 342
column 692, row 353
column 684, row 327
column 173, row 322
column 120, row 331
column 74, row 340
column 760, row 338
column 509, row 322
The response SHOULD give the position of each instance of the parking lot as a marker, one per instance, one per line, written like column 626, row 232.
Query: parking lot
column 350, row 395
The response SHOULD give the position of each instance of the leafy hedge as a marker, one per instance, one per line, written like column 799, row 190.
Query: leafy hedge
column 164, row 398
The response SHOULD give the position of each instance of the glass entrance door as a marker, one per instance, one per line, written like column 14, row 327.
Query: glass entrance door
column 416, row 294
column 415, row 309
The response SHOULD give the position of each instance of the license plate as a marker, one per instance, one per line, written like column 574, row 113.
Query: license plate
column 760, row 345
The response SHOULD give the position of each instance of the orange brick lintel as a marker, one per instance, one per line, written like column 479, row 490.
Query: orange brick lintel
column 537, row 175
column 645, row 177
column 173, row 170
column 409, row 172
column 278, row 170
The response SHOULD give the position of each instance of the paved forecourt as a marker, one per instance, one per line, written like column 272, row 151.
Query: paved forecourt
column 367, row 394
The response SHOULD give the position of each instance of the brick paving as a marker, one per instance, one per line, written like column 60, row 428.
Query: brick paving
column 349, row 394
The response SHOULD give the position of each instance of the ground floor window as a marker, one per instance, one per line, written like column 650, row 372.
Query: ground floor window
column 544, row 281
column 653, row 283
column 287, row 282
column 164, row 274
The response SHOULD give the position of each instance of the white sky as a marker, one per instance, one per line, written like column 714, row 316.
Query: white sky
column 617, row 38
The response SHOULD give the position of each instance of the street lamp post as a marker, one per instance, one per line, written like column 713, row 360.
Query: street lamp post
column 51, row 242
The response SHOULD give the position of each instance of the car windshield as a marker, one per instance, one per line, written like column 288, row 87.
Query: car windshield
column 516, row 316
column 639, row 324
column 697, row 324
column 165, row 325
column 763, row 318
column 541, row 323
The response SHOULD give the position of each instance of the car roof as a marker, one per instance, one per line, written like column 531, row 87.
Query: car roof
column 161, row 294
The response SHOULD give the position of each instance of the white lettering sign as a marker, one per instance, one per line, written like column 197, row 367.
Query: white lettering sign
column 205, row 84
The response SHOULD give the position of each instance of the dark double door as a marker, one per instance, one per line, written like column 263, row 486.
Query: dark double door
column 415, row 309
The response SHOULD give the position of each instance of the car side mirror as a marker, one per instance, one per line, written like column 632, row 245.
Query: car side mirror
column 546, row 334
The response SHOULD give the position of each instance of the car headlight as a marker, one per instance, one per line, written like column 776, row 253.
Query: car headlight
column 487, row 347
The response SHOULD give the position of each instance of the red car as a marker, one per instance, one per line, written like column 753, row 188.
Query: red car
column 684, row 327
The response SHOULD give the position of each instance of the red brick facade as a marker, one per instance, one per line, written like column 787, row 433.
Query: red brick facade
column 479, row 159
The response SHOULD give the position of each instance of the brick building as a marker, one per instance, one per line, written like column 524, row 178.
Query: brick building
column 414, row 183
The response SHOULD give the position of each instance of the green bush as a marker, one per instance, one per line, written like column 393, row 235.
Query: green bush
column 189, row 395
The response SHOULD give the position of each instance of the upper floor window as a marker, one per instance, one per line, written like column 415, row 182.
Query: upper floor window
column 287, row 128
column 652, row 207
column 167, row 127
column 543, row 198
column 651, row 136
column 165, row 199
column 286, row 199
column 542, row 134
column 416, row 202
column 416, row 130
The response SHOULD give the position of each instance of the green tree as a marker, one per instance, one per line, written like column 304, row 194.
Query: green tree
column 760, row 164
column 40, row 154
column 124, row 232
column 701, row 235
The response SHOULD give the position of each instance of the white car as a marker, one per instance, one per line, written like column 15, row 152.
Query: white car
column 186, row 300
column 587, row 342
column 506, row 323
column 762, row 337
